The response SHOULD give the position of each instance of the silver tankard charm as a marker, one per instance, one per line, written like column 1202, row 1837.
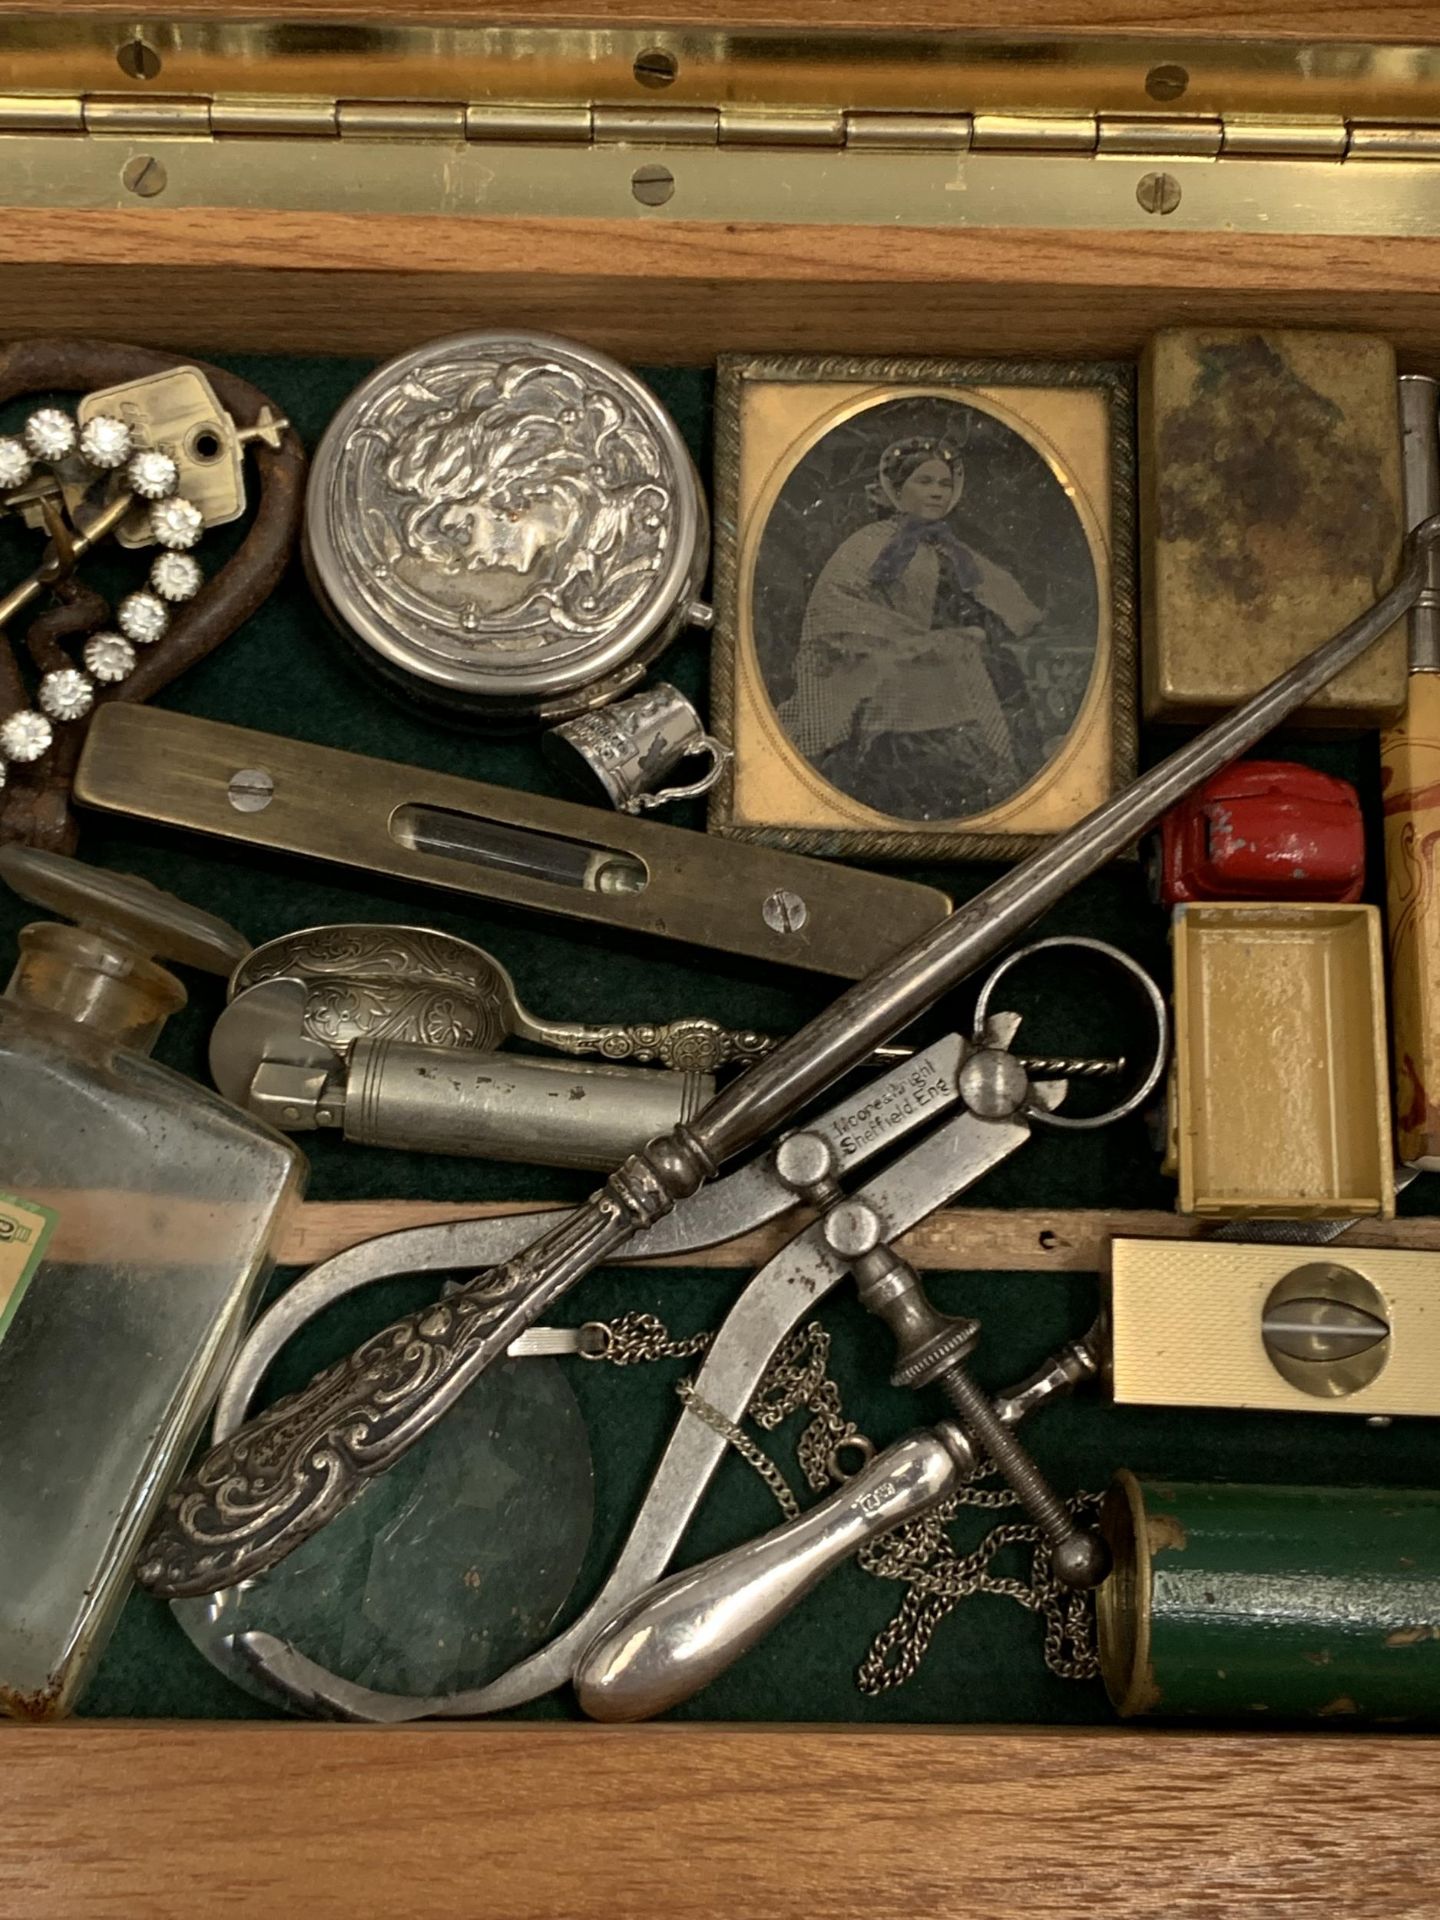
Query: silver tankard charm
column 622, row 753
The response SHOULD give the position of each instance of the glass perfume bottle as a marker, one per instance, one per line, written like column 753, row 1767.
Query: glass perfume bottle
column 138, row 1214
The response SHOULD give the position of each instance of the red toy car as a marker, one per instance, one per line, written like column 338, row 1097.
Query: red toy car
column 1264, row 830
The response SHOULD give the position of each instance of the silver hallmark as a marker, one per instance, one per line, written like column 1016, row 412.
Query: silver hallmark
column 507, row 523
column 624, row 752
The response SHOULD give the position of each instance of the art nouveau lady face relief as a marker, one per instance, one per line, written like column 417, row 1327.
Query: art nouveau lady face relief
column 925, row 609
column 528, row 489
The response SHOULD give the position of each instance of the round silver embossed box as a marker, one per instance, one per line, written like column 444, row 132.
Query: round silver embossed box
column 508, row 524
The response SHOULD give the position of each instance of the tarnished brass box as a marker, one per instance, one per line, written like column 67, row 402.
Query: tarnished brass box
column 1270, row 512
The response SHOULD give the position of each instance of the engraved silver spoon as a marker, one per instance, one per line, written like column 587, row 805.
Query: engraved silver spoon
column 369, row 981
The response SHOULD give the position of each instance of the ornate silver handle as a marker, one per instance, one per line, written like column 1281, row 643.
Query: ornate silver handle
column 693, row 1045
column 678, row 1637
column 256, row 1496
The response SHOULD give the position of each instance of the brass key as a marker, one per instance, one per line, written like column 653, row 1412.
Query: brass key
column 180, row 413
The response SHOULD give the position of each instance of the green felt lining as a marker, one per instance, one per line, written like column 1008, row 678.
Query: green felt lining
column 289, row 673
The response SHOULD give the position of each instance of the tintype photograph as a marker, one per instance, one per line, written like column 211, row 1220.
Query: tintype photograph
column 922, row 651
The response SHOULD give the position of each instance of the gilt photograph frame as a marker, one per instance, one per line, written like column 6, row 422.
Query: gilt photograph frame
column 925, row 641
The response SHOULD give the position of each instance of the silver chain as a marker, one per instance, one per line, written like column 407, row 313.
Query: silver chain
column 636, row 1337
column 799, row 1377
column 743, row 1445
column 919, row 1553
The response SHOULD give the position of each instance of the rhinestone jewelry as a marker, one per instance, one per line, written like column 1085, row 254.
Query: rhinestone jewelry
column 107, row 445
column 176, row 523
column 106, row 442
column 143, row 618
column 16, row 465
column 152, row 474
column 66, row 694
column 50, row 434
column 25, row 736
column 176, row 576
column 109, row 658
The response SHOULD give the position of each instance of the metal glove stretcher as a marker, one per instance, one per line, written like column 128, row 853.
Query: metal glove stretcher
column 281, row 1476
column 999, row 1105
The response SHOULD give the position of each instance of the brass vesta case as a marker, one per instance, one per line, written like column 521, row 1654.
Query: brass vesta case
column 1270, row 509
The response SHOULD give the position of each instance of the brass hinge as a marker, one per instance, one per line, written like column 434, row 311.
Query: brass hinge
column 1190, row 136
column 41, row 113
column 150, row 117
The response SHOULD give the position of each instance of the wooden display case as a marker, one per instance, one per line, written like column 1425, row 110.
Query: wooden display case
column 1026, row 177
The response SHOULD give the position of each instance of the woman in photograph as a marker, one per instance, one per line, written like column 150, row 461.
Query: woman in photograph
column 906, row 696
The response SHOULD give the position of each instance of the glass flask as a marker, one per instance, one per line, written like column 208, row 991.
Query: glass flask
column 138, row 1217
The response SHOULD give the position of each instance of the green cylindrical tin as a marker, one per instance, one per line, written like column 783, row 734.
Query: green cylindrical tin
column 1234, row 1601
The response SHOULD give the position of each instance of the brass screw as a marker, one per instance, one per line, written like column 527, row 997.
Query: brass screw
column 1167, row 82
column 1158, row 193
column 144, row 176
column 655, row 67
column 652, row 185
column 137, row 61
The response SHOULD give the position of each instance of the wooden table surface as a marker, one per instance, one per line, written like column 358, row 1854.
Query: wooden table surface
column 189, row 1822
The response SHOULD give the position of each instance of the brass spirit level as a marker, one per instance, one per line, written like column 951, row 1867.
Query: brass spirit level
column 496, row 843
